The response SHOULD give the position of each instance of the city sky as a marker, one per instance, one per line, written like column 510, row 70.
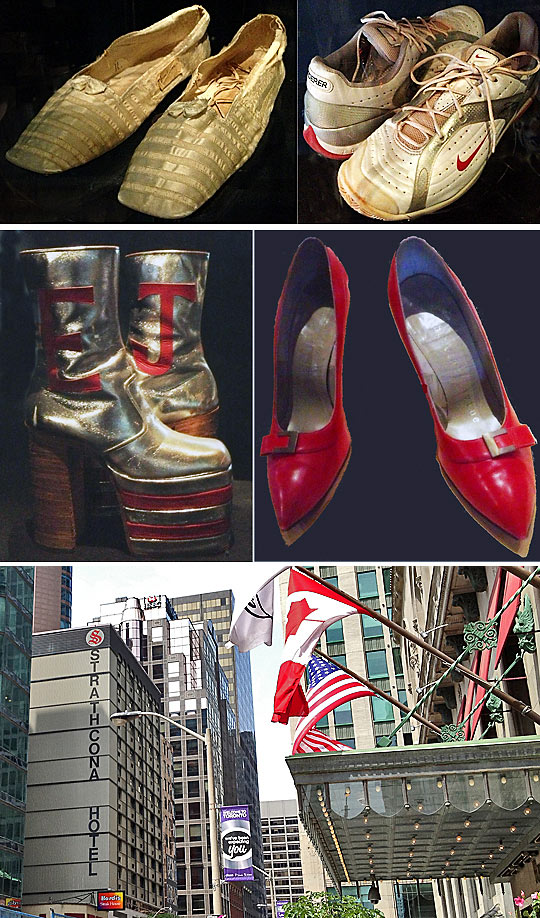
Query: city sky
column 94, row 584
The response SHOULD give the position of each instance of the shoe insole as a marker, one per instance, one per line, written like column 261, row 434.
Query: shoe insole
column 313, row 372
column 448, row 357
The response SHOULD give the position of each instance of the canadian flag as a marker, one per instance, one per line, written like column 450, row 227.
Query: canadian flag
column 311, row 608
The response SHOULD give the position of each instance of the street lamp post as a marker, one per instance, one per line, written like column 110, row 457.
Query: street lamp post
column 125, row 717
column 270, row 876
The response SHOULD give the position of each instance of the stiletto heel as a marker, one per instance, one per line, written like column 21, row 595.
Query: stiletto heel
column 482, row 449
column 309, row 445
column 86, row 415
column 57, row 473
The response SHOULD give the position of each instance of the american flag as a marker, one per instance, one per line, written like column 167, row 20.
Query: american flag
column 315, row 741
column 328, row 687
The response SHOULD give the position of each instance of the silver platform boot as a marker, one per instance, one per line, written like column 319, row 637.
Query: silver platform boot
column 166, row 293
column 85, row 405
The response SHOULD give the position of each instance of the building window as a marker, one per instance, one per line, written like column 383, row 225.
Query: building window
column 195, row 832
column 371, row 627
column 376, row 664
column 398, row 662
column 197, row 903
column 383, row 711
column 194, row 809
column 367, row 584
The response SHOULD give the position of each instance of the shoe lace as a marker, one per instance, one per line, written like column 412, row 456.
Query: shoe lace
column 418, row 32
column 226, row 88
column 474, row 77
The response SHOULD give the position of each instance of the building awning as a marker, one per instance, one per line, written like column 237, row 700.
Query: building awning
column 423, row 812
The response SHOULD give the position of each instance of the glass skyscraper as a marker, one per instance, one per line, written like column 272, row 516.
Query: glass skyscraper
column 16, row 605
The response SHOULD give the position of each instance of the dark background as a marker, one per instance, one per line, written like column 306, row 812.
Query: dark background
column 508, row 190
column 392, row 502
column 226, row 336
column 44, row 42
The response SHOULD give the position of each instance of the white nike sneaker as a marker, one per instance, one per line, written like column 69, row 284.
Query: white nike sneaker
column 353, row 90
column 430, row 153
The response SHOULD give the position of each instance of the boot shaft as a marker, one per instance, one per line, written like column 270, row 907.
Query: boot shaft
column 166, row 293
column 75, row 299
column 82, row 371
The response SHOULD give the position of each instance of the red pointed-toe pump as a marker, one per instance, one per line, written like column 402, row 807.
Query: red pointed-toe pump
column 484, row 452
column 309, row 445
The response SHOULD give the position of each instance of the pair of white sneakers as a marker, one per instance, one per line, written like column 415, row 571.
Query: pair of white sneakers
column 406, row 154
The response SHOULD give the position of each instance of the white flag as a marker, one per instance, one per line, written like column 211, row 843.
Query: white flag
column 252, row 625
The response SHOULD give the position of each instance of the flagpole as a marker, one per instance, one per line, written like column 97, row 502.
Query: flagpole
column 520, row 706
column 522, row 573
column 378, row 691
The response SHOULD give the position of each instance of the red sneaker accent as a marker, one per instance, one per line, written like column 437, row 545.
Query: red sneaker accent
column 311, row 140
column 462, row 164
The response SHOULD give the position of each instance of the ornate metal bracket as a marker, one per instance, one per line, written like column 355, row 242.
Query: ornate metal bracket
column 480, row 635
column 494, row 706
column 524, row 627
column 452, row 733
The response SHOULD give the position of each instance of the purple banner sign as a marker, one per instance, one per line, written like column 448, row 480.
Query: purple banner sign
column 236, row 843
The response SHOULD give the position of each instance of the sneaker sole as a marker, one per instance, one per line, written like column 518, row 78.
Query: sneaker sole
column 367, row 210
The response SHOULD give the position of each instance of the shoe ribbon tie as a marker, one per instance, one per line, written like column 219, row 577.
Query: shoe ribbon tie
column 227, row 88
column 458, row 69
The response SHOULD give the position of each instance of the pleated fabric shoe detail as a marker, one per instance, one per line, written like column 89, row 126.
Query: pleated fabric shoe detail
column 107, row 101
column 213, row 129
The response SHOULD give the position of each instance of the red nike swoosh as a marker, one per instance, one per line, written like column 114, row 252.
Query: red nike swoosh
column 463, row 163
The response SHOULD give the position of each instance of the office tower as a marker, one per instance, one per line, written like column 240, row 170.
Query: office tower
column 94, row 811
column 16, row 602
column 281, row 844
column 217, row 607
column 52, row 598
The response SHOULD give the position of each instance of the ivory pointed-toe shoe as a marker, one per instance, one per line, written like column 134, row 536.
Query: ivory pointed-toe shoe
column 482, row 449
column 213, row 129
column 435, row 148
column 309, row 445
column 107, row 101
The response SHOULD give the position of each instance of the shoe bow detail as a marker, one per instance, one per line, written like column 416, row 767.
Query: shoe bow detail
column 88, row 84
column 488, row 446
column 293, row 441
column 192, row 109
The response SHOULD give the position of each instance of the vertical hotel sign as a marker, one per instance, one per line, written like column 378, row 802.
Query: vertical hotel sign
column 236, row 843
column 94, row 639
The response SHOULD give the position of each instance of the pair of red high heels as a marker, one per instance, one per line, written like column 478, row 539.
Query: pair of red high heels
column 482, row 449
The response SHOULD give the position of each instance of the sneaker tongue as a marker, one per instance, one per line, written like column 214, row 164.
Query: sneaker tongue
column 383, row 41
column 482, row 57
column 415, row 138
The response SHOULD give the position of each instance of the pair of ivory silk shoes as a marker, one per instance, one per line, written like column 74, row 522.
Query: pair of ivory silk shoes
column 483, row 451
column 131, row 426
column 199, row 141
